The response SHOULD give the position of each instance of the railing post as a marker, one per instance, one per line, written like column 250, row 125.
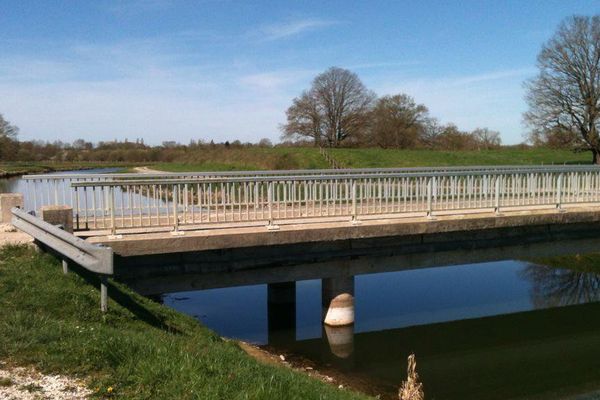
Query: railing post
column 113, row 226
column 429, row 196
column 270, row 226
column 354, row 219
column 176, row 230
column 497, row 195
column 559, row 189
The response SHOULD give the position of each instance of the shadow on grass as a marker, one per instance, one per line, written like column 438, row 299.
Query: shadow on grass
column 121, row 297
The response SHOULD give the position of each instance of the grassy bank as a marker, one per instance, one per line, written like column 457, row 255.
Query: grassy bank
column 384, row 158
column 310, row 158
column 140, row 349
column 248, row 158
column 22, row 168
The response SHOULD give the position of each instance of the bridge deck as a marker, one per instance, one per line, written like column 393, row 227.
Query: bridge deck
column 138, row 242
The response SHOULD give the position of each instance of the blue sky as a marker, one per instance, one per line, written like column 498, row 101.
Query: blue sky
column 226, row 70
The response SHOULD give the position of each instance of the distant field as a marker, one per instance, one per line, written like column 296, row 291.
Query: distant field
column 310, row 158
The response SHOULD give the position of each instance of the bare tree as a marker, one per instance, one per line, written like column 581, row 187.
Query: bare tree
column 334, row 110
column 7, row 130
column 304, row 119
column 397, row 121
column 566, row 93
column 486, row 139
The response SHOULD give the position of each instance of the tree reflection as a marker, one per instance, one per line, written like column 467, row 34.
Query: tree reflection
column 572, row 283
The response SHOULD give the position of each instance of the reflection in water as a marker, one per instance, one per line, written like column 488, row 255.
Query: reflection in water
column 554, row 287
column 480, row 331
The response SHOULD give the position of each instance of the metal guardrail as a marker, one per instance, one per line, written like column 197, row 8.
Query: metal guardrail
column 243, row 200
column 94, row 258
column 48, row 189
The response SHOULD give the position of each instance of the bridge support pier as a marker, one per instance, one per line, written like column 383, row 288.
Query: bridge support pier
column 281, row 312
column 338, row 301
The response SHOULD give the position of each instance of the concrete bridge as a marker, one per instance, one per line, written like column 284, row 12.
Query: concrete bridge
column 181, row 232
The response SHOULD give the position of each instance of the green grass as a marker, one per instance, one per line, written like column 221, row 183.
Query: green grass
column 383, row 158
column 237, row 159
column 141, row 349
column 248, row 158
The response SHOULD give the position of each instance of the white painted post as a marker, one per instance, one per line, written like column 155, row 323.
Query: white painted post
column 559, row 187
column 271, row 226
column 65, row 266
column 497, row 195
column 354, row 213
column 429, row 195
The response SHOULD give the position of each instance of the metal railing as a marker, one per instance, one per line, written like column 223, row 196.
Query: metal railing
column 273, row 200
column 48, row 189
column 94, row 258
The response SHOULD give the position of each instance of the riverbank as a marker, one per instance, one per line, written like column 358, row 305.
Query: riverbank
column 139, row 350
column 8, row 170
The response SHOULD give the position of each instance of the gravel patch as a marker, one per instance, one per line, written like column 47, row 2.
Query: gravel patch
column 18, row 383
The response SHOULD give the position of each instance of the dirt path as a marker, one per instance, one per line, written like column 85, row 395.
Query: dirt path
column 146, row 170
column 18, row 383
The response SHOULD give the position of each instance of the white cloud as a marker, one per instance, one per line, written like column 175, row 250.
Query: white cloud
column 293, row 28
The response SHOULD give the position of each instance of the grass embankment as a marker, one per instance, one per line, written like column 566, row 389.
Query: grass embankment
column 248, row 158
column 222, row 159
column 139, row 349
column 22, row 168
column 380, row 158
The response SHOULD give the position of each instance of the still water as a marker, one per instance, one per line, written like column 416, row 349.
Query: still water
column 18, row 185
column 498, row 330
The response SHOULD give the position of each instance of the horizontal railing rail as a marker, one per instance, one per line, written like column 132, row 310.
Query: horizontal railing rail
column 94, row 258
column 269, row 199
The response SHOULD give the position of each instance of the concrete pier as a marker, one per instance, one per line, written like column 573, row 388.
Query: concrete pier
column 8, row 201
column 59, row 215
column 281, row 312
column 338, row 301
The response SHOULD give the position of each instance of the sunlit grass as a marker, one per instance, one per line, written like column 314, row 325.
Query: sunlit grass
column 140, row 349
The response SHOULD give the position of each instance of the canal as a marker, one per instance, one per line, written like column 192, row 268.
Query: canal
column 499, row 330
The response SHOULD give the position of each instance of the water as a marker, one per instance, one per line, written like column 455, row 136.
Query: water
column 496, row 330
column 18, row 185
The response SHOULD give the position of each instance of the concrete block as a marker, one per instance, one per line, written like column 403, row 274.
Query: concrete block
column 8, row 201
column 59, row 215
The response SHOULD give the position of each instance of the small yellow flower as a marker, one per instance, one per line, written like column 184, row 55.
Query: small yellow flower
column 109, row 389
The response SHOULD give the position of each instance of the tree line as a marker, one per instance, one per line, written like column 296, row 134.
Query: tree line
column 339, row 111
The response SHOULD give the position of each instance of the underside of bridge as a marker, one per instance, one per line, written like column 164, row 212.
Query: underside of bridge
column 161, row 262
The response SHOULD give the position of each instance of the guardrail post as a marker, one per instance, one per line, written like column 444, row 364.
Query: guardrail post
column 103, row 293
column 65, row 265
column 497, row 195
column 270, row 226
